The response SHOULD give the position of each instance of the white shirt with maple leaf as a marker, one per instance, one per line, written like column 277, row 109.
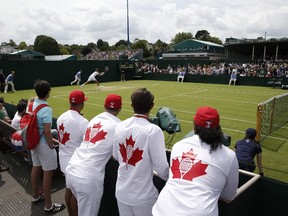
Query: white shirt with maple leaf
column 139, row 148
column 197, row 178
column 89, row 160
column 71, row 129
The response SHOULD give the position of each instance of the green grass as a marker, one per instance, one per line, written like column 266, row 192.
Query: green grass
column 237, row 106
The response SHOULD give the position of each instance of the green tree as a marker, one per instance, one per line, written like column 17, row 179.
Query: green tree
column 22, row 45
column 142, row 44
column 159, row 47
column 102, row 45
column 121, row 43
column 76, row 49
column 64, row 51
column 86, row 50
column 12, row 43
column 181, row 36
column 215, row 40
column 202, row 35
column 46, row 45
column 92, row 45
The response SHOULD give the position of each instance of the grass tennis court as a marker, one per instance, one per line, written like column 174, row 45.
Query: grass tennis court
column 237, row 106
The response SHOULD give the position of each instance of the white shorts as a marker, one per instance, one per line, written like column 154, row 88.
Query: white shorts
column 88, row 193
column 140, row 210
column 90, row 79
column 43, row 156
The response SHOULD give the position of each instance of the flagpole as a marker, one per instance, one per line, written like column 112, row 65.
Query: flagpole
column 128, row 37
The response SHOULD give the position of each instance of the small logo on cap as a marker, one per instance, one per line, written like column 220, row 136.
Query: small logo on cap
column 209, row 124
column 112, row 104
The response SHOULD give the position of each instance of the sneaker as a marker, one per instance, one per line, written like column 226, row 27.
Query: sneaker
column 56, row 207
column 39, row 199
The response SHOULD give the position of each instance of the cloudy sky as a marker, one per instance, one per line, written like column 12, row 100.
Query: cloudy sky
column 84, row 21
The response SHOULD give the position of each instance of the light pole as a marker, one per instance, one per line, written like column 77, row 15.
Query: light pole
column 128, row 38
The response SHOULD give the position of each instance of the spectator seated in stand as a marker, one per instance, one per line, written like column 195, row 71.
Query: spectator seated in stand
column 233, row 78
column 180, row 77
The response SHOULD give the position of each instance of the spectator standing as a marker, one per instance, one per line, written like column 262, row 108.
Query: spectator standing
column 44, row 155
column 92, row 77
column 71, row 127
column 2, row 81
column 9, row 81
column 77, row 78
column 139, row 148
column 246, row 150
column 86, row 168
column 122, row 78
column 201, row 171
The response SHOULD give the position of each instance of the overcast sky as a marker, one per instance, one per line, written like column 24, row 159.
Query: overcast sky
column 84, row 21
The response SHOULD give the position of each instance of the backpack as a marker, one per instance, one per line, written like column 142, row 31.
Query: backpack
column 27, row 137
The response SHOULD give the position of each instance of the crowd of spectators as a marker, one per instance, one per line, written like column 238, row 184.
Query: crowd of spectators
column 110, row 55
column 267, row 69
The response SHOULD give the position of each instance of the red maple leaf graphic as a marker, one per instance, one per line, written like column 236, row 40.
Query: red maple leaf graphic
column 94, row 134
column 61, row 127
column 129, row 155
column 87, row 134
column 63, row 136
column 198, row 169
column 186, row 168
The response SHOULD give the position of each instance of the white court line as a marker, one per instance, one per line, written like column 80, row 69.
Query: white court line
column 206, row 98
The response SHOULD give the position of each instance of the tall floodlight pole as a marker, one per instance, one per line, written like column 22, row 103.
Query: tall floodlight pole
column 128, row 38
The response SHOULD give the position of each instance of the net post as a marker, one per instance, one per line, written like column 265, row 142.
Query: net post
column 258, row 122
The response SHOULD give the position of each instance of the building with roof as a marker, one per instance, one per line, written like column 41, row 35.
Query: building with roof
column 60, row 57
column 192, row 48
column 257, row 49
column 28, row 54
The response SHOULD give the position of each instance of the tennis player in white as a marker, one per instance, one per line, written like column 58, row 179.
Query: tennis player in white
column 92, row 77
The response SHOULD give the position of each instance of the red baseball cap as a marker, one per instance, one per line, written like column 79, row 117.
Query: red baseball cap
column 207, row 117
column 77, row 97
column 113, row 101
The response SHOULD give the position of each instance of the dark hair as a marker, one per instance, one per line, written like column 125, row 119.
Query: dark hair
column 42, row 88
column 25, row 100
column 21, row 106
column 211, row 136
column 142, row 101
column 250, row 133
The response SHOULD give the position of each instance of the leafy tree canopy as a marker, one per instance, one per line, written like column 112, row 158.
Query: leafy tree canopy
column 202, row 35
column 22, row 45
column 181, row 36
column 102, row 45
column 46, row 45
